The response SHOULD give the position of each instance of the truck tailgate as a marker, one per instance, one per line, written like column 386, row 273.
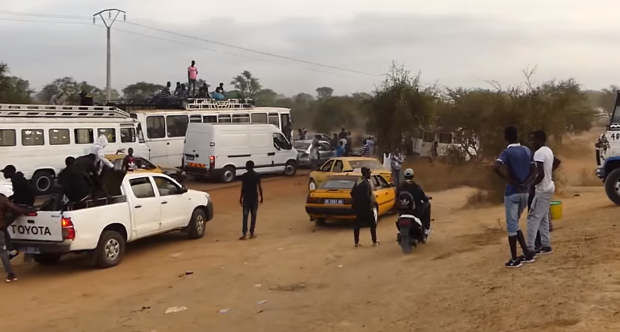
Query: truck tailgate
column 44, row 226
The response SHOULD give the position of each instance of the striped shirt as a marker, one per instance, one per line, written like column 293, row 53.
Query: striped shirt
column 366, row 150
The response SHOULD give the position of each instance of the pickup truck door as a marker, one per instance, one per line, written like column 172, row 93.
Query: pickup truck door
column 145, row 207
column 174, row 205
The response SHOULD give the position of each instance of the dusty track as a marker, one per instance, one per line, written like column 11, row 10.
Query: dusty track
column 314, row 280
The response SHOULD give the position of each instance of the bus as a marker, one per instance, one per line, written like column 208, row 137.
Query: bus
column 423, row 141
column 165, row 128
column 36, row 139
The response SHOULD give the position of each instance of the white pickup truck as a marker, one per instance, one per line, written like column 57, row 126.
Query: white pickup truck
column 151, row 204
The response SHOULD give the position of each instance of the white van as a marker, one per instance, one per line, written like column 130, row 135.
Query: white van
column 36, row 139
column 221, row 150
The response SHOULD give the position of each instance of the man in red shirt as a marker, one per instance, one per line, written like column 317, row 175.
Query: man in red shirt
column 129, row 162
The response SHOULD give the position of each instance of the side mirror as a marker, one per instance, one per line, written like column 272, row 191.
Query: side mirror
column 392, row 185
column 184, row 189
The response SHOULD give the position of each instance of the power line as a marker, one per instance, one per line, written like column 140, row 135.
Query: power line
column 252, row 50
column 200, row 39
column 43, row 21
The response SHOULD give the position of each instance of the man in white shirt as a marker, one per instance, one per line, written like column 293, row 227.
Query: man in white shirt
column 538, row 216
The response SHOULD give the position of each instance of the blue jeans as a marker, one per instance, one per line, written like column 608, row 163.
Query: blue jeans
column 514, row 204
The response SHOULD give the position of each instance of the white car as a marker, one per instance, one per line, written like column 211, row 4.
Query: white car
column 151, row 204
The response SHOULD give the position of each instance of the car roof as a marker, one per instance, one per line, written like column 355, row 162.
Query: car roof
column 133, row 175
column 355, row 158
column 308, row 141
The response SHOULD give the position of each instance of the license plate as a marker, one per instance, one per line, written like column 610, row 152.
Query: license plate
column 333, row 201
column 30, row 250
column 189, row 157
column 404, row 222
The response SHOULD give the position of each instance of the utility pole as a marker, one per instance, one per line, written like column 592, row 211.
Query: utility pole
column 112, row 15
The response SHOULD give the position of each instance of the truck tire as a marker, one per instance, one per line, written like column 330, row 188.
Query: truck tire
column 228, row 174
column 46, row 259
column 320, row 222
column 197, row 225
column 110, row 249
column 42, row 182
column 290, row 168
column 612, row 186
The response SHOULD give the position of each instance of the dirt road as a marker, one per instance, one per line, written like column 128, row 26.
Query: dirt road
column 315, row 280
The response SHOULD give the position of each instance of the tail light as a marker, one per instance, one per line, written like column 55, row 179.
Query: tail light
column 32, row 214
column 68, row 232
column 313, row 200
column 212, row 162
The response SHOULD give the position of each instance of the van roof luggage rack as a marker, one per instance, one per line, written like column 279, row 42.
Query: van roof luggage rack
column 69, row 111
column 206, row 103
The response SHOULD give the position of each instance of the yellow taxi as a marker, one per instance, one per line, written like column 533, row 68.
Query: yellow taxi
column 144, row 165
column 332, row 199
column 340, row 165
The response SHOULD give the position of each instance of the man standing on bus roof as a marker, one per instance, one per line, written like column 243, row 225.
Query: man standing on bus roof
column 192, row 75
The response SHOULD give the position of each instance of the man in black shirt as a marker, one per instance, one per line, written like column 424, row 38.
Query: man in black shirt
column 363, row 203
column 251, row 197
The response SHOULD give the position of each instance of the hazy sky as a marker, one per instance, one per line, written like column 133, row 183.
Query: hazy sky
column 453, row 42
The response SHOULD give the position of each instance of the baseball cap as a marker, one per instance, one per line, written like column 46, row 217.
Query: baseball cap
column 9, row 169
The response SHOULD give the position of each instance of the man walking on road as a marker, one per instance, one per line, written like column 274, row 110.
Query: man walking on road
column 363, row 203
column 538, row 216
column 251, row 197
column 516, row 167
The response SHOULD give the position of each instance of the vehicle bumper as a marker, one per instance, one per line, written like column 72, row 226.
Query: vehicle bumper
column 329, row 212
column 209, row 211
column 600, row 172
column 36, row 247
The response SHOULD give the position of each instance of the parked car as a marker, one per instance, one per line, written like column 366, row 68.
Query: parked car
column 332, row 199
column 346, row 164
column 144, row 165
column 151, row 204
column 322, row 137
column 326, row 151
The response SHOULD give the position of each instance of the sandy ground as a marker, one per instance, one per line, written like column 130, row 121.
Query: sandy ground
column 315, row 280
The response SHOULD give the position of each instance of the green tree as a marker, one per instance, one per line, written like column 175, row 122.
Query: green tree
column 247, row 84
column 140, row 91
column 324, row 92
column 266, row 97
column 399, row 107
column 607, row 98
column 13, row 90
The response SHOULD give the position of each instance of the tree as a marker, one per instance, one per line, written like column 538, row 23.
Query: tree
column 72, row 90
column 398, row 107
column 607, row 98
column 324, row 92
column 248, row 85
column 266, row 97
column 13, row 90
column 140, row 91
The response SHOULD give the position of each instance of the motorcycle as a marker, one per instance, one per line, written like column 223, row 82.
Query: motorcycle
column 410, row 231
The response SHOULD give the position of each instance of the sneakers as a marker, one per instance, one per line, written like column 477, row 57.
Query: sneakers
column 526, row 259
column 376, row 243
column 544, row 250
column 514, row 263
column 11, row 277
column 243, row 237
column 13, row 254
column 357, row 244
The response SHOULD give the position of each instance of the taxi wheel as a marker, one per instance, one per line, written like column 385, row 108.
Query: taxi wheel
column 320, row 221
column 311, row 185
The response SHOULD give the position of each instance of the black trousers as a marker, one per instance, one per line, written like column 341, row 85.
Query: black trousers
column 250, row 206
column 364, row 218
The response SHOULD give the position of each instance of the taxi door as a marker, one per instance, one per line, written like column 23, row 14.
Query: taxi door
column 385, row 194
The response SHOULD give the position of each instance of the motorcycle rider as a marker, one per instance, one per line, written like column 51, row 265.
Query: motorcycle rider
column 422, row 207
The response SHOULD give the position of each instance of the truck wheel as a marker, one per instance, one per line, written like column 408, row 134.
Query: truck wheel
column 320, row 221
column 46, row 259
column 197, row 225
column 290, row 169
column 42, row 182
column 612, row 186
column 110, row 250
column 228, row 174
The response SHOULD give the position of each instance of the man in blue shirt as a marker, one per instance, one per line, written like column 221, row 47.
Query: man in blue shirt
column 340, row 149
column 515, row 165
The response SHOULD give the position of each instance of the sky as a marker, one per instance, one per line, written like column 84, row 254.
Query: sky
column 450, row 42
